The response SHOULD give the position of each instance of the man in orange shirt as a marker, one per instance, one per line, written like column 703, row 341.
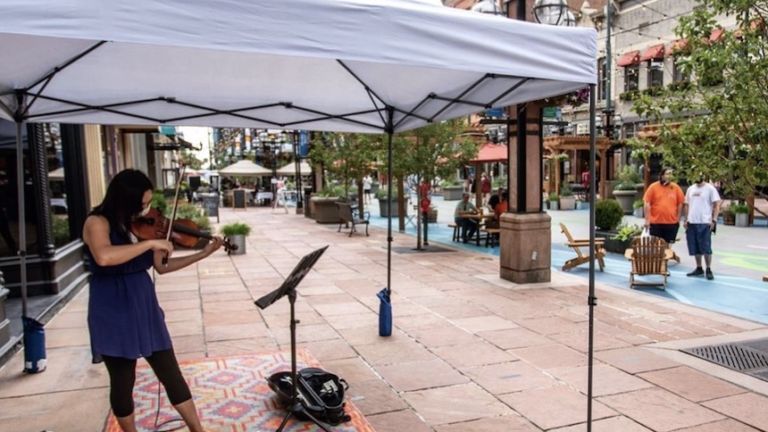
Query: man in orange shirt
column 663, row 207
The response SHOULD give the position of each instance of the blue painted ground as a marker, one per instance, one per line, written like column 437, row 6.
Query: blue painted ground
column 733, row 295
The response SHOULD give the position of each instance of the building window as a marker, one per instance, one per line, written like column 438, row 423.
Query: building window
column 602, row 89
column 631, row 77
column 656, row 73
column 677, row 73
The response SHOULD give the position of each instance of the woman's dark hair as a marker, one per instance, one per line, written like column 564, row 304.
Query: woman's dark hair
column 123, row 198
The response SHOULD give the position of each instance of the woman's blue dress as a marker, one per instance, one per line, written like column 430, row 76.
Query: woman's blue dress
column 124, row 317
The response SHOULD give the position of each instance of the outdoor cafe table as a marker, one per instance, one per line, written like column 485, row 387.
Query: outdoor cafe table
column 480, row 218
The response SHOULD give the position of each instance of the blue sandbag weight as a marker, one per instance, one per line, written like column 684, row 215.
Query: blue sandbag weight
column 385, row 313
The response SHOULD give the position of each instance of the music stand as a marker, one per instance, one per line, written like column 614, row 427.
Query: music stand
column 288, row 287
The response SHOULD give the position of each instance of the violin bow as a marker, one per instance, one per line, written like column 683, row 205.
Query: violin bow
column 173, row 213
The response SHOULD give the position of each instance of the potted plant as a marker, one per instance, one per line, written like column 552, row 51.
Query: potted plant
column 741, row 213
column 452, row 189
column 382, row 196
column 324, row 208
column 625, row 191
column 729, row 217
column 608, row 215
column 236, row 233
column 622, row 240
column 554, row 201
column 639, row 207
column 567, row 200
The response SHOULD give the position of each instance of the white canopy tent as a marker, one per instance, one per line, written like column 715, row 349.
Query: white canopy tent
column 290, row 169
column 245, row 168
column 379, row 66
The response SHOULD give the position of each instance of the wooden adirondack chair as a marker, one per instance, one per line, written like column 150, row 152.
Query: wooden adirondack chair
column 582, row 256
column 649, row 256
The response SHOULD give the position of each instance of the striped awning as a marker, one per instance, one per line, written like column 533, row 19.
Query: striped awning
column 629, row 58
column 653, row 53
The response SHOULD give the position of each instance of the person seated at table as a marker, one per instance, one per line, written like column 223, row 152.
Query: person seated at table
column 501, row 207
column 494, row 200
column 466, row 225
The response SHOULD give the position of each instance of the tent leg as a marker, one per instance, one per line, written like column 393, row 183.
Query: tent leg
column 385, row 301
column 592, row 300
column 22, row 243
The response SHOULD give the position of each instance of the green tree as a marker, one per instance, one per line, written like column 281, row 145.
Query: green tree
column 716, row 122
column 348, row 157
column 435, row 150
column 190, row 160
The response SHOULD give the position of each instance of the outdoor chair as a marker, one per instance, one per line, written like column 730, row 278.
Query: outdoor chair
column 649, row 256
column 582, row 256
column 349, row 215
column 456, row 232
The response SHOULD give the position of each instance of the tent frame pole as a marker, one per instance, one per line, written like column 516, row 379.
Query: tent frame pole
column 592, row 300
column 390, row 132
column 22, row 226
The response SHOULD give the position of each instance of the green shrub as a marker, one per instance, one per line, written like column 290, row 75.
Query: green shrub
column 628, row 178
column 553, row 196
column 627, row 232
column 565, row 190
column 331, row 191
column 454, row 182
column 194, row 213
column 500, row 181
column 608, row 214
column 236, row 228
column 382, row 193
column 60, row 231
column 739, row 208
column 159, row 202
column 638, row 204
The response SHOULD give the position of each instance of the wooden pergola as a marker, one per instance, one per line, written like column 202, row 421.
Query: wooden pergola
column 559, row 144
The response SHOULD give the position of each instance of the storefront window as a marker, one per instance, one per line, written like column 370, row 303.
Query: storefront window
column 9, row 198
column 655, row 73
column 631, row 77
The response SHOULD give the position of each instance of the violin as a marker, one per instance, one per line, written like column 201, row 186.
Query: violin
column 185, row 232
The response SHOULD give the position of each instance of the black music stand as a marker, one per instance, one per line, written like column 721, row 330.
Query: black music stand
column 288, row 287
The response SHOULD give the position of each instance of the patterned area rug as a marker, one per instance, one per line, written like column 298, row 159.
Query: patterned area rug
column 231, row 394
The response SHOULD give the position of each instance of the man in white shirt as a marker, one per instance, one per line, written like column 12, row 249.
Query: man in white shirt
column 701, row 208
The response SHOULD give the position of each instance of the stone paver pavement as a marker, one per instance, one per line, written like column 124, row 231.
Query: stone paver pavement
column 469, row 352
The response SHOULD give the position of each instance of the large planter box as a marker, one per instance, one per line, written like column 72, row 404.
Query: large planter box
column 554, row 205
column 742, row 220
column 567, row 202
column 325, row 210
column 613, row 245
column 452, row 193
column 384, row 209
column 626, row 199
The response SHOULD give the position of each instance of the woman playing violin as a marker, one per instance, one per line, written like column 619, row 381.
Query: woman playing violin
column 124, row 318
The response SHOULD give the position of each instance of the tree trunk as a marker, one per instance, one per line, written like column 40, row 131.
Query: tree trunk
column 418, row 213
column 360, row 198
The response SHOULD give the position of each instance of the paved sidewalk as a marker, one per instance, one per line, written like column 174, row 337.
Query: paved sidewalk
column 470, row 352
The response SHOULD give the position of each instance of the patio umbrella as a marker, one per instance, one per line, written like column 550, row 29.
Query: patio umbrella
column 245, row 168
column 377, row 66
column 290, row 169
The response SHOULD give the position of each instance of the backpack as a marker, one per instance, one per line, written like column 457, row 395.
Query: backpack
column 321, row 394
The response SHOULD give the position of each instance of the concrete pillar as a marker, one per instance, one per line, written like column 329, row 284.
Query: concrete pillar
column 526, row 238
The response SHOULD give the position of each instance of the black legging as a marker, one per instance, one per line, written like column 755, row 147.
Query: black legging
column 122, row 376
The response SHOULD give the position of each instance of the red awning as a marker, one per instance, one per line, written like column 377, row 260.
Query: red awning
column 653, row 53
column 628, row 59
column 678, row 46
column 716, row 34
column 491, row 152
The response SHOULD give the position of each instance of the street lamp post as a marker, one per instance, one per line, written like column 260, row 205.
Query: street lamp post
column 299, row 189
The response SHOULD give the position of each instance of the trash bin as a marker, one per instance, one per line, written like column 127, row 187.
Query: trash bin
column 307, row 206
